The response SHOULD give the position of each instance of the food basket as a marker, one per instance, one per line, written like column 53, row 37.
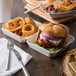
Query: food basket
column 58, row 14
column 14, row 36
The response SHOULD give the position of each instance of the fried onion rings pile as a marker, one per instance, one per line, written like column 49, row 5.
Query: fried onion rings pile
column 66, row 5
column 21, row 27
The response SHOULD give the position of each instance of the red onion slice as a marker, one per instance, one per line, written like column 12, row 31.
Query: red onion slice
column 47, row 36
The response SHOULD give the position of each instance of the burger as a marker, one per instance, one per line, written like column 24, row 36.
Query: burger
column 52, row 35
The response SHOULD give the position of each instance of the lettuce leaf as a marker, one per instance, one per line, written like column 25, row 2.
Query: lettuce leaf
column 54, row 49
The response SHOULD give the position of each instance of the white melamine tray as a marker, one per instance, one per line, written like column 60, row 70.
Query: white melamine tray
column 14, row 36
column 58, row 14
column 43, row 51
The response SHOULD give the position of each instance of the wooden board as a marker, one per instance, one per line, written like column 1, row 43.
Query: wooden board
column 66, row 68
column 42, row 14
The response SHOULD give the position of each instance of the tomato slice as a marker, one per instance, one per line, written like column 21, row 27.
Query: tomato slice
column 43, row 43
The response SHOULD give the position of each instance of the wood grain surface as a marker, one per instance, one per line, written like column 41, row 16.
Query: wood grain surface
column 40, row 65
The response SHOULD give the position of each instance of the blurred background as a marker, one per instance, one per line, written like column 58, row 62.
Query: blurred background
column 18, row 9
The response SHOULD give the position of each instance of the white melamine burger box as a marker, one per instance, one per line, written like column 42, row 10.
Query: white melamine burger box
column 14, row 36
column 43, row 51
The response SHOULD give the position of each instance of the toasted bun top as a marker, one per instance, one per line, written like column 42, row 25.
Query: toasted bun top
column 57, row 30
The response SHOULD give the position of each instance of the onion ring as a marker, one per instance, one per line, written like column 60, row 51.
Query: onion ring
column 28, row 29
column 15, row 24
column 29, row 21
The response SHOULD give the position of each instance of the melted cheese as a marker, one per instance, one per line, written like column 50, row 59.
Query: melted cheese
column 55, row 42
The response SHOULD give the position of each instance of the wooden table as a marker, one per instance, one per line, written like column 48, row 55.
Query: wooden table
column 40, row 65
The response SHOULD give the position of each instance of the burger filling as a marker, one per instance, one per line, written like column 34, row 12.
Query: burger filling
column 50, row 40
